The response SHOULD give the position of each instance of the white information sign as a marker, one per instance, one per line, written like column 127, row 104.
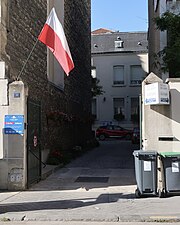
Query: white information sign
column 147, row 165
column 175, row 167
column 157, row 94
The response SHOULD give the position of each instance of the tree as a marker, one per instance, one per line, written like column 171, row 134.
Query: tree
column 170, row 55
column 96, row 88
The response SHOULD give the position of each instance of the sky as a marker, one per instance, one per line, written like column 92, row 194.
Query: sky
column 119, row 15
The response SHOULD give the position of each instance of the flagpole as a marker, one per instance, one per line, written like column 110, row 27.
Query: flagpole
column 20, row 73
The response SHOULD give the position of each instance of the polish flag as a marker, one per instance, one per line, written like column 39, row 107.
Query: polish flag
column 52, row 35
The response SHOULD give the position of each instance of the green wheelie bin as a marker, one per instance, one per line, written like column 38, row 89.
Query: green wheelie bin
column 170, row 162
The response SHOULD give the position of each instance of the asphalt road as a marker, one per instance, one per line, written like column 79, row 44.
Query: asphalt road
column 113, row 153
column 112, row 160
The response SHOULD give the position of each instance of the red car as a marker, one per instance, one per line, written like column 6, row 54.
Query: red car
column 113, row 131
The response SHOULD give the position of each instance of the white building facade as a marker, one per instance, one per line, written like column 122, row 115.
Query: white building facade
column 156, row 38
column 120, row 62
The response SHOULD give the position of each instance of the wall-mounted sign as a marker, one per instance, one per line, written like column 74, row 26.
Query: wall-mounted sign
column 17, row 95
column 14, row 124
column 157, row 94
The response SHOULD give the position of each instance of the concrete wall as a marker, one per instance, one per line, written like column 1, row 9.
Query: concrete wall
column 160, row 123
column 174, row 85
column 154, row 36
column 13, row 146
column 3, row 111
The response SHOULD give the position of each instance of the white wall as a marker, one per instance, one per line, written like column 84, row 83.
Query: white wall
column 104, row 70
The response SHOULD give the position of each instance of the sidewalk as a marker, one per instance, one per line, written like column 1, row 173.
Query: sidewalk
column 68, row 202
column 63, row 196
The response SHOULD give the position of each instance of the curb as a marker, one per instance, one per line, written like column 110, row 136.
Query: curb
column 125, row 218
column 152, row 218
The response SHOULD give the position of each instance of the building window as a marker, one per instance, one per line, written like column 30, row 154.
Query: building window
column 94, row 108
column 119, row 112
column 118, row 72
column 135, row 109
column 93, row 72
column 136, row 74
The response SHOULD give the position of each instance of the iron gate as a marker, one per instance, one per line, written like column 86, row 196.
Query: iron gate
column 33, row 142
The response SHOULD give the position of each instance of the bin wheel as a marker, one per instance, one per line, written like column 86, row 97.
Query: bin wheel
column 161, row 193
column 137, row 193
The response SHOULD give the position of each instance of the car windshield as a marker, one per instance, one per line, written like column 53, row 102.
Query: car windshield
column 118, row 128
column 110, row 127
column 102, row 127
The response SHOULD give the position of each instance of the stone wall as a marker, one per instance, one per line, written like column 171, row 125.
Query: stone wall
column 78, row 86
column 25, row 20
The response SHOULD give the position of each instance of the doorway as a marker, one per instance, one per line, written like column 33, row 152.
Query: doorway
column 33, row 142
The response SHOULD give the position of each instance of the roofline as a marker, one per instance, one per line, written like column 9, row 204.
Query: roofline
column 119, row 32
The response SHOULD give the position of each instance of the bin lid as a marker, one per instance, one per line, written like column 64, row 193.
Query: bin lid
column 170, row 154
column 144, row 153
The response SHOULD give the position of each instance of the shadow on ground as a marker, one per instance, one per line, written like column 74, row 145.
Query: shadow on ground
column 63, row 204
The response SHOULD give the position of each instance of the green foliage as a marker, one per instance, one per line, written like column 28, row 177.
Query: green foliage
column 135, row 117
column 119, row 116
column 168, row 21
column 170, row 55
column 96, row 88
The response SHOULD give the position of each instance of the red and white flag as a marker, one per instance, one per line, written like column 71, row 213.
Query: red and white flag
column 52, row 35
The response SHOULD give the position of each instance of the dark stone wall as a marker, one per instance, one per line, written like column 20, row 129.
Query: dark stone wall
column 78, row 86
column 25, row 21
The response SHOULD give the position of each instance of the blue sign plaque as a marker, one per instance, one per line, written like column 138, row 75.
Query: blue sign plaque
column 14, row 124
